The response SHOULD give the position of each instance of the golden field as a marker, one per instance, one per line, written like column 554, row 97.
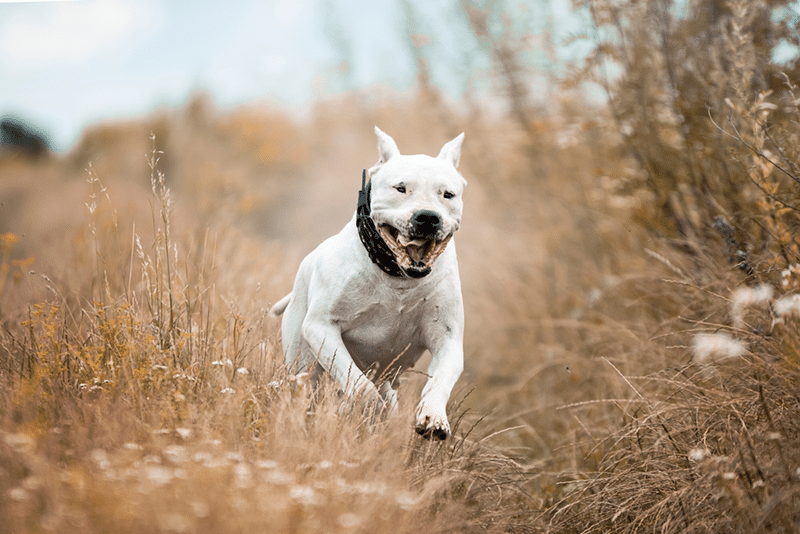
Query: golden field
column 630, row 278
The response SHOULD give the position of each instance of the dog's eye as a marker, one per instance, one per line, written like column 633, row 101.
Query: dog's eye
column 448, row 195
column 401, row 188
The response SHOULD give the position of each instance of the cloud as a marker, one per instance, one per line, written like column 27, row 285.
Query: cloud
column 71, row 33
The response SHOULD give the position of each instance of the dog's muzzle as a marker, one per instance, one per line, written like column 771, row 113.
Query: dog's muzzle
column 392, row 251
column 425, row 224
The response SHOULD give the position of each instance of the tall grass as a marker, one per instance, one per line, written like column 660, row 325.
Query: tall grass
column 631, row 289
column 157, row 401
column 707, row 430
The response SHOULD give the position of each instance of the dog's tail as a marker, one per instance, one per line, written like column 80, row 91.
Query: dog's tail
column 280, row 306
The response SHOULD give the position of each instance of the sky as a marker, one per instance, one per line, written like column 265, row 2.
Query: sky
column 67, row 64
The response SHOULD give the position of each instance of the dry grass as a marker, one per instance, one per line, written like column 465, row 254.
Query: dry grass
column 707, row 439
column 630, row 283
column 143, row 388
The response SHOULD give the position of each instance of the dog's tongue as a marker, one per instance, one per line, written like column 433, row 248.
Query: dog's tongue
column 406, row 242
column 414, row 247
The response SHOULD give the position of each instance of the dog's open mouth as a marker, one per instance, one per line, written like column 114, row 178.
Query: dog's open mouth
column 415, row 254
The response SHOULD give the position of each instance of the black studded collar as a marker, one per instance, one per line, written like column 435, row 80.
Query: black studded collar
column 378, row 250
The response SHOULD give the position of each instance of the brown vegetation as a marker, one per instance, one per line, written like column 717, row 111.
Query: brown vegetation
column 630, row 279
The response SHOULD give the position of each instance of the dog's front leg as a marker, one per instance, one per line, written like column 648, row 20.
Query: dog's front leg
column 447, row 362
column 325, row 339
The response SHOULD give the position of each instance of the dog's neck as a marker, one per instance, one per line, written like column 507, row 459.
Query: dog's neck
column 378, row 250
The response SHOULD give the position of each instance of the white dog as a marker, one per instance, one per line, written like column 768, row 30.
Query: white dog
column 370, row 300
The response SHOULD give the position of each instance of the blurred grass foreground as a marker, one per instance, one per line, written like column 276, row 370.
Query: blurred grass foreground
column 630, row 275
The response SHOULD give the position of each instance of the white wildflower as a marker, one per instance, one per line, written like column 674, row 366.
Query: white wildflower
column 367, row 488
column 788, row 305
column 242, row 475
column 787, row 274
column 568, row 136
column 158, row 475
column 101, row 459
column 19, row 442
column 228, row 391
column 748, row 296
column 242, row 371
column 234, row 456
column 32, row 483
column 201, row 509
column 183, row 376
column 184, row 433
column 278, row 477
column 266, row 464
column 406, row 500
column 626, row 129
column 303, row 494
column 19, row 495
column 713, row 347
column 205, row 458
column 697, row 454
column 176, row 454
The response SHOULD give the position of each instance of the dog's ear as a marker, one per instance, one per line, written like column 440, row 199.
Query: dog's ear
column 387, row 148
column 452, row 151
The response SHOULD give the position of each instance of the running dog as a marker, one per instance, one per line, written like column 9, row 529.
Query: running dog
column 369, row 301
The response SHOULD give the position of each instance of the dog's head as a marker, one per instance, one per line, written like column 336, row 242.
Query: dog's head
column 416, row 201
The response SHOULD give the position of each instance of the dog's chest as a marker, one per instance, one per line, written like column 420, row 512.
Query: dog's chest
column 388, row 326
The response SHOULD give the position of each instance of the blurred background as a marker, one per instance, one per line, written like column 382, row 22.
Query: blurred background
column 629, row 249
column 69, row 64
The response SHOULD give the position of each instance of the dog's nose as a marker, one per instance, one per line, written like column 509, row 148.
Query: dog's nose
column 426, row 223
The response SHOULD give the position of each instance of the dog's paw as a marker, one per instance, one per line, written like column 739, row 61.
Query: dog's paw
column 430, row 424
column 439, row 430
